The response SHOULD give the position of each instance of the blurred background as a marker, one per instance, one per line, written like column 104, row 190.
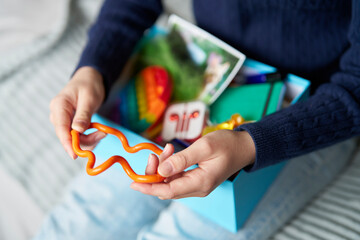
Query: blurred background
column 40, row 43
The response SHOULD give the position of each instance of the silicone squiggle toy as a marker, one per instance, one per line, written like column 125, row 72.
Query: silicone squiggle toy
column 114, row 159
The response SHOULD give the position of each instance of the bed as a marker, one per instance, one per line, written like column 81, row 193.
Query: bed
column 35, row 170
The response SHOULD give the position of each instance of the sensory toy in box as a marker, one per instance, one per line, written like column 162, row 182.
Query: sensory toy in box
column 199, row 65
column 143, row 101
column 231, row 203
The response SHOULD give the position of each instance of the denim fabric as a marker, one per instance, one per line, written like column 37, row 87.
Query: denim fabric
column 104, row 207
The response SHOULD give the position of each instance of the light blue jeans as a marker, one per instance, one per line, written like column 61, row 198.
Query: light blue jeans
column 104, row 207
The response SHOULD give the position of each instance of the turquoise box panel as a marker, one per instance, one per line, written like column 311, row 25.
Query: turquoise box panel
column 232, row 202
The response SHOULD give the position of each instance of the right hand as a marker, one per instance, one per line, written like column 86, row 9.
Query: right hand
column 218, row 156
column 73, row 107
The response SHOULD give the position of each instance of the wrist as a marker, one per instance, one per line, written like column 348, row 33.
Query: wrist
column 246, row 151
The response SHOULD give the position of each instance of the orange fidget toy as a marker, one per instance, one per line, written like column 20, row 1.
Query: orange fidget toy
column 114, row 159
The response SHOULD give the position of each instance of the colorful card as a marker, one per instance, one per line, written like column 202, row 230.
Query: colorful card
column 221, row 61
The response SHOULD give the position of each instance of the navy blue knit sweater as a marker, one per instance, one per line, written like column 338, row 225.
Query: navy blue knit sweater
column 318, row 40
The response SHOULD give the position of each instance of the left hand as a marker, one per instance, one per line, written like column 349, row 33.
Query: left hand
column 219, row 155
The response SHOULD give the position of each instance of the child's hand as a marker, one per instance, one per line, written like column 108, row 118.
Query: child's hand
column 218, row 154
column 74, row 106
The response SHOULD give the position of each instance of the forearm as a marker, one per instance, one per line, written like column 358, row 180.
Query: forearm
column 113, row 36
column 319, row 122
column 328, row 117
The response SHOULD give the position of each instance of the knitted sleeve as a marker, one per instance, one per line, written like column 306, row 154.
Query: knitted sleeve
column 112, row 38
column 331, row 115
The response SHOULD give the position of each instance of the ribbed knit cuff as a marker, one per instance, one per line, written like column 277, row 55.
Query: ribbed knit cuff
column 268, row 144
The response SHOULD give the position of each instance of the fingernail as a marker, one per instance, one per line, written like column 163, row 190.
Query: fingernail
column 165, row 169
column 100, row 136
column 134, row 187
column 80, row 125
column 166, row 148
column 151, row 157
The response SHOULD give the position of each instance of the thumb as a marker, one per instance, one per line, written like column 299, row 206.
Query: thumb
column 85, row 109
column 179, row 162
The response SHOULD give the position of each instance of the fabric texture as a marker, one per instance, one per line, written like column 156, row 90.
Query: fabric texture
column 118, row 212
column 31, row 154
column 319, row 40
column 16, row 208
column 28, row 29
column 26, row 22
column 334, row 214
column 29, row 150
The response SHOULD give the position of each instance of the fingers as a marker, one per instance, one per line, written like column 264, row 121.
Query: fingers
column 198, row 182
column 152, row 165
column 90, row 93
column 62, row 112
column 88, row 142
column 86, row 106
column 167, row 152
column 153, row 161
column 180, row 161
column 188, row 184
column 84, row 93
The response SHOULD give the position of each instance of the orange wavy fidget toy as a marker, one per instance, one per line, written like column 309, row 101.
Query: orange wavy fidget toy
column 114, row 159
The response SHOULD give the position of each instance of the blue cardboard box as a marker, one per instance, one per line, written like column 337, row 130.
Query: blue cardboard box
column 231, row 203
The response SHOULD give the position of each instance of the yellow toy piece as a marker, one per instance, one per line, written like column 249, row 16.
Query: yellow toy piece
column 235, row 121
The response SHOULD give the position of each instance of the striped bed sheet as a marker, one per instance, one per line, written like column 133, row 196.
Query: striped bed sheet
column 334, row 214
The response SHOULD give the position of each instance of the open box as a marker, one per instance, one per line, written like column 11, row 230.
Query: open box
column 231, row 203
